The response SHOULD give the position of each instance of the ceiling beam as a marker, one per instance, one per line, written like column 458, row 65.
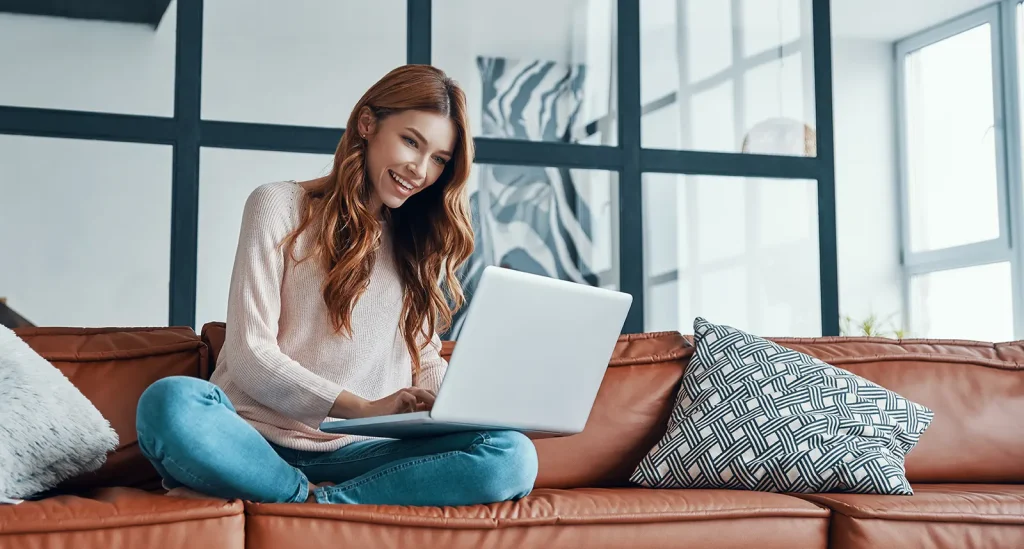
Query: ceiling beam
column 148, row 12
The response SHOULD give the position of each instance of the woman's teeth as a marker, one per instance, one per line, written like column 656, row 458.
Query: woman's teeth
column 401, row 181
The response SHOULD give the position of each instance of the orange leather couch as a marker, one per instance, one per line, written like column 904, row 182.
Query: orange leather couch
column 967, row 470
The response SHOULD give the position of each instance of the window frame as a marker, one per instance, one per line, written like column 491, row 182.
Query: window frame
column 1006, row 133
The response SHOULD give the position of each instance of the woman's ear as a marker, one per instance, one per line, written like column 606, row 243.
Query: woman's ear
column 367, row 122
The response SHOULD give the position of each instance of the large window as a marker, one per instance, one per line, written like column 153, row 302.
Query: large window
column 956, row 179
column 599, row 125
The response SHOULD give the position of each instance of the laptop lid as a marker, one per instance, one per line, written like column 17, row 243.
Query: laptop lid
column 532, row 353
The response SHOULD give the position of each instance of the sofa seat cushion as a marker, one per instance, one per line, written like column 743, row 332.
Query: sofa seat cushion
column 582, row 517
column 122, row 517
column 946, row 515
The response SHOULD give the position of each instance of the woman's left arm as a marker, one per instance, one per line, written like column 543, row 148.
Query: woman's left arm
column 432, row 366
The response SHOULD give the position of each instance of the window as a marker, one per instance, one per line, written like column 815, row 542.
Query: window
column 957, row 257
column 226, row 178
column 534, row 70
column 728, row 76
column 555, row 222
column 98, row 66
column 86, row 238
column 742, row 250
column 281, row 62
column 571, row 103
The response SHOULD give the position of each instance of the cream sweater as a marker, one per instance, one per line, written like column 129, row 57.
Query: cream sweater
column 282, row 364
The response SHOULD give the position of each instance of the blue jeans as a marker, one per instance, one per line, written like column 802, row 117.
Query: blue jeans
column 191, row 433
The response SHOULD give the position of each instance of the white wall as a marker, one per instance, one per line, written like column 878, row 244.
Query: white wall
column 866, row 179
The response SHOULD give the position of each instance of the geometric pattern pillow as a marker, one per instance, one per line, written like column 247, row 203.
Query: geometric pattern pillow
column 752, row 415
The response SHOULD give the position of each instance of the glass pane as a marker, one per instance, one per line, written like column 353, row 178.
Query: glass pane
column 951, row 148
column 283, row 62
column 968, row 303
column 85, row 65
column 717, row 79
column 87, row 225
column 549, row 221
column 532, row 70
column 226, row 177
column 744, row 252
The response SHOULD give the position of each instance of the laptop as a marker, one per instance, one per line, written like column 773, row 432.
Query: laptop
column 530, row 357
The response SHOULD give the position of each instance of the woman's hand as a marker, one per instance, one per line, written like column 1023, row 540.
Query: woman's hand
column 410, row 399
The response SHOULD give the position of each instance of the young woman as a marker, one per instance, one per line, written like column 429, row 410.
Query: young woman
column 338, row 288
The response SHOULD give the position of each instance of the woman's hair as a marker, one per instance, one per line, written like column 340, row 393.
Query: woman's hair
column 431, row 232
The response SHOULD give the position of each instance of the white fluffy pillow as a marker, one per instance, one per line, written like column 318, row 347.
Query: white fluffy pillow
column 49, row 431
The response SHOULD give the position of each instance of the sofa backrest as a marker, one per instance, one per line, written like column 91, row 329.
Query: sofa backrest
column 628, row 417
column 112, row 367
column 975, row 389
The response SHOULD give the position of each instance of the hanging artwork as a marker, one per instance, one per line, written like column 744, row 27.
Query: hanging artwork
column 531, row 219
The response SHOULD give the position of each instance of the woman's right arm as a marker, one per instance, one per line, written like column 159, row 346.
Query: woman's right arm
column 258, row 366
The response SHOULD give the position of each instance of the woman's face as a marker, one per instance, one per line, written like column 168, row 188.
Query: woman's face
column 405, row 153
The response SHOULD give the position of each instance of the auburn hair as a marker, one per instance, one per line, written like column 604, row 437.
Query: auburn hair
column 431, row 232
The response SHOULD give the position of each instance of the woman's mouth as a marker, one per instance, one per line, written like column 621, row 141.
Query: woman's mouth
column 403, row 185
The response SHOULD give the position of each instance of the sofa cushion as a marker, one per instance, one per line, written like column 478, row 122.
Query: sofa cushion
column 585, row 517
column 628, row 417
column 753, row 415
column 947, row 515
column 975, row 389
column 213, row 334
column 112, row 367
column 123, row 517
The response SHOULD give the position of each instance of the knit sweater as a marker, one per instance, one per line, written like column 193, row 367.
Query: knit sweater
column 282, row 364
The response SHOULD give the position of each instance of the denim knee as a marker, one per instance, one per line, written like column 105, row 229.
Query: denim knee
column 511, row 469
column 163, row 407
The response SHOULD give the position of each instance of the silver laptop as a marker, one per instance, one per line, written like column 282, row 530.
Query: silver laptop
column 530, row 357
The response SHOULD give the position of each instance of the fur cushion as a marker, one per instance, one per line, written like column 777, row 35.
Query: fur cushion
column 49, row 431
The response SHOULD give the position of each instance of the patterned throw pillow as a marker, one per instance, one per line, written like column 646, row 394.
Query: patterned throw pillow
column 752, row 415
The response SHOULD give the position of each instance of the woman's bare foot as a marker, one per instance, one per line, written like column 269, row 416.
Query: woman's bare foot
column 312, row 497
column 185, row 492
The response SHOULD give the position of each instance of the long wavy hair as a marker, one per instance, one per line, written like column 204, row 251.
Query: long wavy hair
column 431, row 232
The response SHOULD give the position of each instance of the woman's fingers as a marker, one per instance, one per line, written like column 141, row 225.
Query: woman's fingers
column 406, row 402
column 422, row 395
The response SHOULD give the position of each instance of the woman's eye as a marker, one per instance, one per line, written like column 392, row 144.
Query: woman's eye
column 410, row 141
column 440, row 160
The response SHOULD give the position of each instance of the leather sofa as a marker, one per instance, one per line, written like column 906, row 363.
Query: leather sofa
column 967, row 470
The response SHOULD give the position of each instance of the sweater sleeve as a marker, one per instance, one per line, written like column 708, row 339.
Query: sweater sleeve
column 258, row 366
column 432, row 366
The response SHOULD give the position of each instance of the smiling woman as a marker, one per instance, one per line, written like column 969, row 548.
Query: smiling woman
column 333, row 313
column 408, row 152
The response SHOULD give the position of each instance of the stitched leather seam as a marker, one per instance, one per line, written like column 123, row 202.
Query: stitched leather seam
column 926, row 357
column 986, row 519
column 717, row 514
